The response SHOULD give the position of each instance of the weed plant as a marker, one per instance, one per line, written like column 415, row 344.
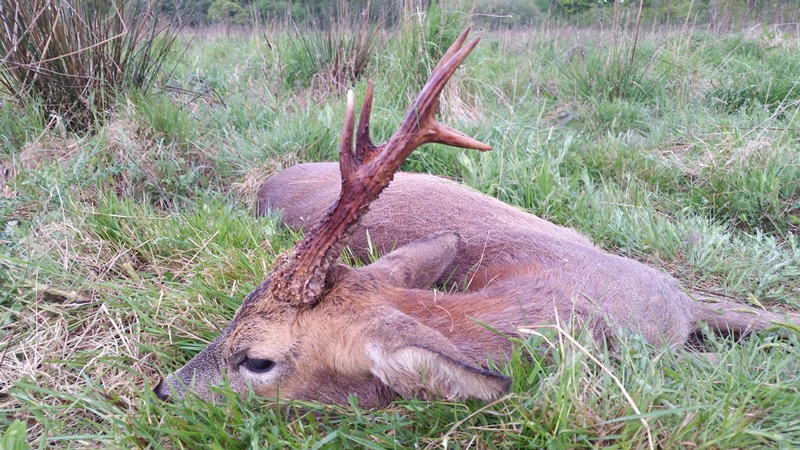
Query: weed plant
column 124, row 252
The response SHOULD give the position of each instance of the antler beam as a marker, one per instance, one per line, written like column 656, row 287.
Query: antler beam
column 299, row 279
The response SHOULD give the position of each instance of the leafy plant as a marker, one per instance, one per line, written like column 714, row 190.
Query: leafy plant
column 75, row 56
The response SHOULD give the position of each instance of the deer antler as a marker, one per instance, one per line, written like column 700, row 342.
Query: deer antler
column 299, row 279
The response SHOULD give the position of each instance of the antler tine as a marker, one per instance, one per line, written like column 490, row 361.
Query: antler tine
column 364, row 145
column 347, row 162
column 419, row 126
column 442, row 134
column 454, row 47
column 300, row 279
column 366, row 150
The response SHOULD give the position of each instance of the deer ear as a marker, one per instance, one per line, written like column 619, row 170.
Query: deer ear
column 420, row 263
column 415, row 360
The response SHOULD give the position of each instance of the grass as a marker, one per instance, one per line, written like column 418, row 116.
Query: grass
column 124, row 252
column 334, row 58
column 71, row 59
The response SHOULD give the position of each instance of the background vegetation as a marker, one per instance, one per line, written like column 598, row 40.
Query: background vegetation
column 126, row 245
column 719, row 14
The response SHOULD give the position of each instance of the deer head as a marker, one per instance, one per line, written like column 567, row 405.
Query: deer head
column 318, row 330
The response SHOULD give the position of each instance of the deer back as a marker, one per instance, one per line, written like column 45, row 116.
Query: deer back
column 419, row 205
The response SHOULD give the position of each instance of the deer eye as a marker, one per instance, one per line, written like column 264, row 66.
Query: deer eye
column 257, row 365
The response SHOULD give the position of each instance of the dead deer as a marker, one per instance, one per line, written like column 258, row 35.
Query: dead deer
column 316, row 329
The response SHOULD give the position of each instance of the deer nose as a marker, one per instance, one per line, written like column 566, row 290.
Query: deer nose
column 161, row 393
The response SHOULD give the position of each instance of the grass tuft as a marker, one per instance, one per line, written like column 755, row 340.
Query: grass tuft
column 72, row 58
column 331, row 60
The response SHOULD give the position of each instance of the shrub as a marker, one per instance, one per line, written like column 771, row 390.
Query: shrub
column 73, row 57
column 225, row 11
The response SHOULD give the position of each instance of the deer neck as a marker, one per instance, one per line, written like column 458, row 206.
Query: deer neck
column 472, row 321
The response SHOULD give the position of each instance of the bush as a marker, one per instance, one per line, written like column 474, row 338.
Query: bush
column 225, row 11
column 73, row 57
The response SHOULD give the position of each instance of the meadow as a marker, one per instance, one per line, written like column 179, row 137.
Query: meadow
column 124, row 251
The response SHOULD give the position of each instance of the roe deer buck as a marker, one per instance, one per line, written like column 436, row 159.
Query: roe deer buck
column 316, row 329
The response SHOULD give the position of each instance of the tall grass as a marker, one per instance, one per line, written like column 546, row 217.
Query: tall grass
column 335, row 57
column 427, row 31
column 624, row 72
column 72, row 58
column 759, row 77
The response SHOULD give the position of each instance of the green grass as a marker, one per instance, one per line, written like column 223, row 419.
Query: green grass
column 123, row 253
